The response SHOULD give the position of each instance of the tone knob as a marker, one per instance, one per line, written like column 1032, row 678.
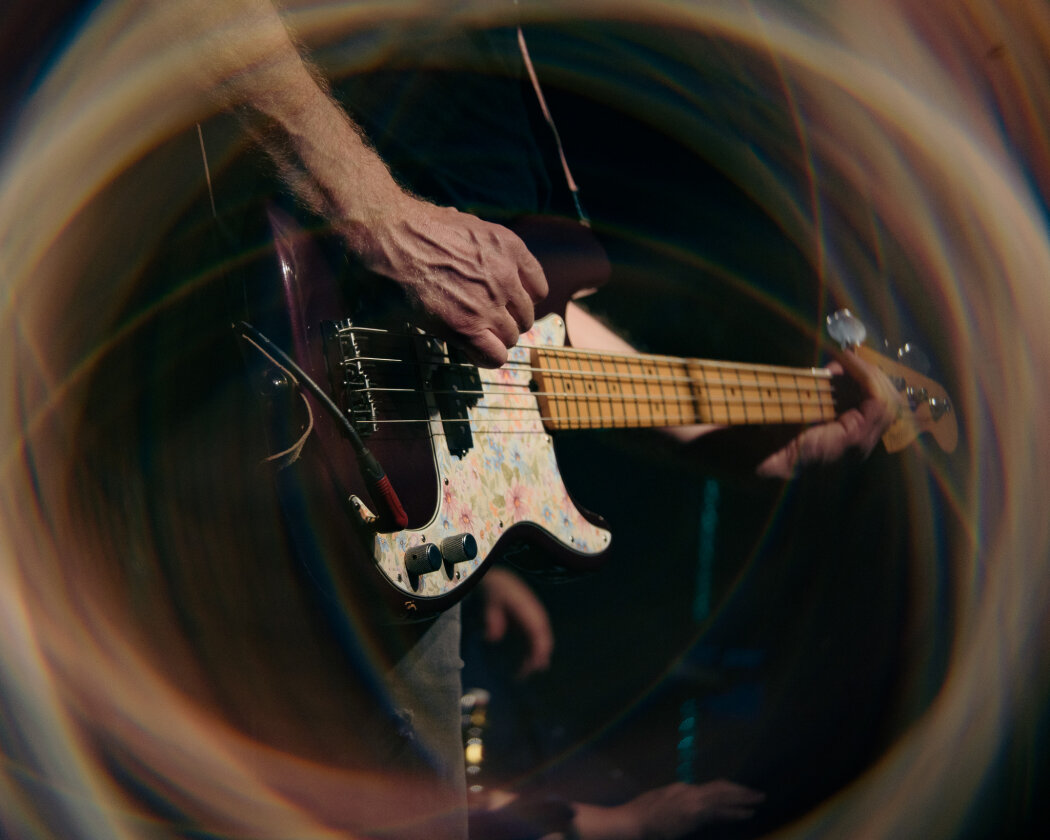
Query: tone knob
column 458, row 548
column 421, row 559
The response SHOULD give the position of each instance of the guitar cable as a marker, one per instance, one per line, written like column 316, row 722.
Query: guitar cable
column 288, row 456
column 384, row 497
column 379, row 487
column 541, row 100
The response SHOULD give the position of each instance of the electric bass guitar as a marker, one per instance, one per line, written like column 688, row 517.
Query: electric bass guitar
column 419, row 469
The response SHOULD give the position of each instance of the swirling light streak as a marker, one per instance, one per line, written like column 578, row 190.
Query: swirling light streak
column 921, row 127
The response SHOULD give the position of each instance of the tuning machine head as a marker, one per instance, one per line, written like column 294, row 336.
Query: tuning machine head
column 912, row 356
column 846, row 328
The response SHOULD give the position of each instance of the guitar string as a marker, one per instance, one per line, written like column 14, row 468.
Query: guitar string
column 552, row 350
column 818, row 376
column 662, row 414
column 661, row 408
column 743, row 396
column 705, row 365
column 594, row 396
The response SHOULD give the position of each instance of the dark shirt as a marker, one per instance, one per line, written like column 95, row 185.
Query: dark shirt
column 455, row 117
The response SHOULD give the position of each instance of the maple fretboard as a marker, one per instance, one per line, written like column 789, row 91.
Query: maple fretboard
column 579, row 389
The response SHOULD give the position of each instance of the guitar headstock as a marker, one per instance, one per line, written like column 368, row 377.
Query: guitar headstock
column 926, row 407
column 930, row 409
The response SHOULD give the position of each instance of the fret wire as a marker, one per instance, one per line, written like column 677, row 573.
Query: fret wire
column 576, row 401
column 764, row 401
column 574, row 396
column 653, row 381
column 779, row 398
column 723, row 387
column 647, row 382
column 710, row 401
column 606, row 384
column 577, row 377
column 601, row 402
column 676, row 403
column 725, row 396
column 561, row 403
column 691, row 394
column 661, row 387
column 628, row 385
column 623, row 399
column 581, row 361
column 565, row 399
column 684, row 398
column 761, row 403
column 740, row 386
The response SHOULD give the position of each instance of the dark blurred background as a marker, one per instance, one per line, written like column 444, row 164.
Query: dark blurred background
column 779, row 636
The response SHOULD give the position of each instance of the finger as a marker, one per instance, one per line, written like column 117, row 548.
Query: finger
column 882, row 400
column 744, row 797
column 495, row 623
column 520, row 308
column 732, row 814
column 872, row 380
column 530, row 617
column 729, row 791
column 504, row 327
column 530, row 272
column 486, row 350
column 541, row 644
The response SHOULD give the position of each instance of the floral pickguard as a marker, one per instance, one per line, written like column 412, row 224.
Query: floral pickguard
column 508, row 476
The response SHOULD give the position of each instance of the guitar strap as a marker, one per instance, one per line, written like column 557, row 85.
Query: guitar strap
column 570, row 182
column 207, row 172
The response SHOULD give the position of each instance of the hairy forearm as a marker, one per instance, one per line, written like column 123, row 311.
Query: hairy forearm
column 244, row 58
column 321, row 155
column 469, row 281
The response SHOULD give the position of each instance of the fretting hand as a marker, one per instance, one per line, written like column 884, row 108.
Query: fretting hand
column 853, row 434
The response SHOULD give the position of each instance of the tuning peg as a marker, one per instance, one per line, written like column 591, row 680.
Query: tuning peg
column 846, row 328
column 911, row 356
column 939, row 407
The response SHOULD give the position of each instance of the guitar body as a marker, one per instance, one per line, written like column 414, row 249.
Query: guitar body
column 465, row 449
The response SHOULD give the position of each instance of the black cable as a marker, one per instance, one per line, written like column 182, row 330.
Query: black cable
column 379, row 486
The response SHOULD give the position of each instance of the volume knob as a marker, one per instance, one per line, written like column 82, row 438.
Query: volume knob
column 457, row 549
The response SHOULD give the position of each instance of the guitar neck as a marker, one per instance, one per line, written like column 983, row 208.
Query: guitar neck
column 580, row 389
